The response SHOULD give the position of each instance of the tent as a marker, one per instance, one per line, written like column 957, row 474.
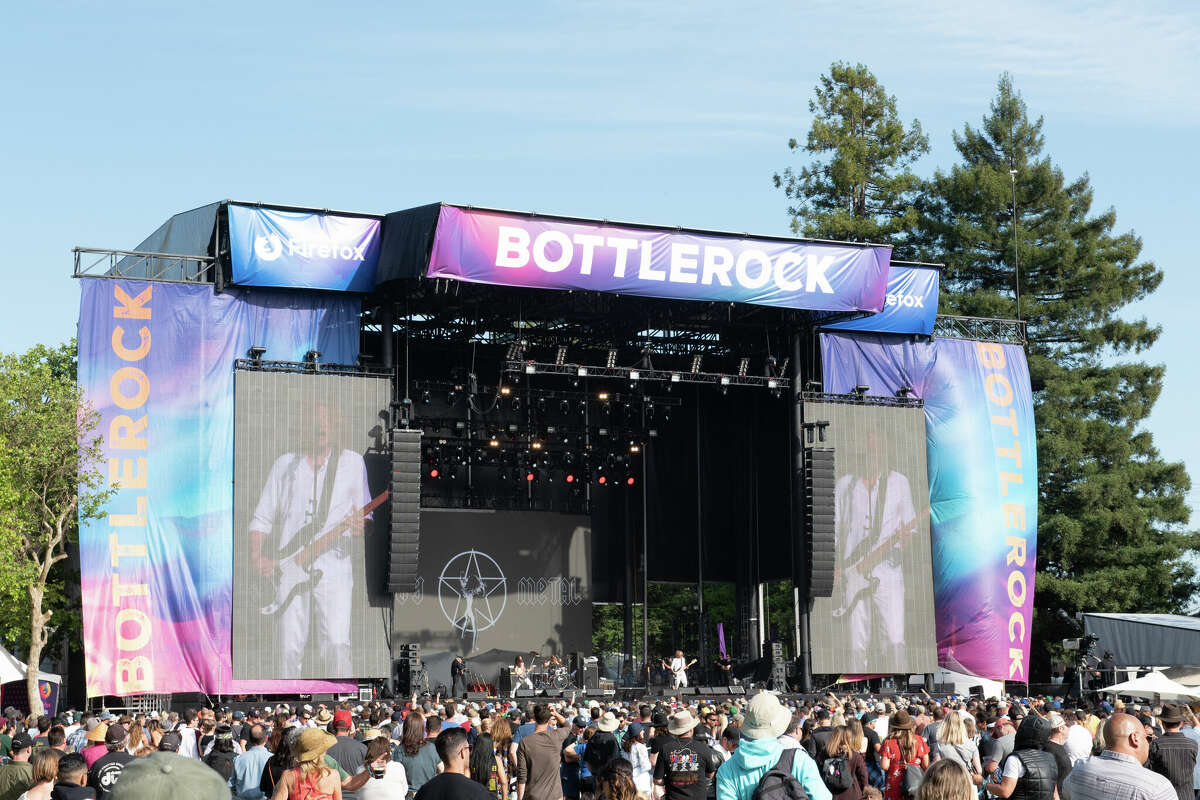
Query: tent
column 12, row 685
column 1154, row 684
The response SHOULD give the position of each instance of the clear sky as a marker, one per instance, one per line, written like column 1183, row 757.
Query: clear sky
column 119, row 114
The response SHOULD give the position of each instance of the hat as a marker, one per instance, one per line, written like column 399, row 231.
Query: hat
column 371, row 733
column 312, row 744
column 91, row 724
column 239, row 715
column 170, row 742
column 114, row 735
column 308, row 708
column 580, row 721
column 634, row 729
column 1055, row 719
column 766, row 718
column 1171, row 714
column 340, row 716
column 901, row 721
column 682, row 722
column 659, row 719
column 168, row 775
column 608, row 722
column 21, row 741
column 97, row 733
column 323, row 717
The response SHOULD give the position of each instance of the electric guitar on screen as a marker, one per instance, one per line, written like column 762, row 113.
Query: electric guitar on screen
column 866, row 565
column 292, row 570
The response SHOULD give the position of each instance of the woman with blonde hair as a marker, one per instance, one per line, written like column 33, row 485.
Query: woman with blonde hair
column 946, row 780
column 953, row 744
column 311, row 778
column 45, row 773
column 137, row 743
column 842, row 745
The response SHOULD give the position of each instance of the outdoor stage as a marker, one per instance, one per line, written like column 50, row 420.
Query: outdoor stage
column 524, row 415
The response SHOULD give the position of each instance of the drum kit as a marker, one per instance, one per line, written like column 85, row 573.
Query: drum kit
column 548, row 672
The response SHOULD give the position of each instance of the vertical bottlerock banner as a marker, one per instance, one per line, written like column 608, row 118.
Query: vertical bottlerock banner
column 156, row 361
column 982, row 483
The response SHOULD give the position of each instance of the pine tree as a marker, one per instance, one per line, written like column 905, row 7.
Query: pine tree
column 1111, row 515
column 861, row 187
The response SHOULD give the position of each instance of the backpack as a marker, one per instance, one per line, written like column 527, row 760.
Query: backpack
column 836, row 774
column 910, row 784
column 778, row 783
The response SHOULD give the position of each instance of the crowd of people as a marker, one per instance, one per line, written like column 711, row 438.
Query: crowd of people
column 687, row 748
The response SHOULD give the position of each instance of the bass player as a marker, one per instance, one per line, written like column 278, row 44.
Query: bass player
column 677, row 669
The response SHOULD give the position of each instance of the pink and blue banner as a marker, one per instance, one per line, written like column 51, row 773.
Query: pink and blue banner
column 156, row 361
column 550, row 253
column 303, row 250
column 982, row 458
column 910, row 306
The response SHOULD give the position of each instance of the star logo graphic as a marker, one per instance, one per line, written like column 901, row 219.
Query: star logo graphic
column 473, row 592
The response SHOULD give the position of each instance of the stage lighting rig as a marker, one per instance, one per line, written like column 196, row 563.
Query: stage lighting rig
column 560, row 357
column 861, row 390
column 697, row 360
column 743, row 367
column 311, row 358
column 255, row 354
column 612, row 359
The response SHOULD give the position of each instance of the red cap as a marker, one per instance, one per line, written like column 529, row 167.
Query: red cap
column 341, row 715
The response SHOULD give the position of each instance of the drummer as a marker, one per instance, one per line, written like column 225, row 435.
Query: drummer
column 553, row 662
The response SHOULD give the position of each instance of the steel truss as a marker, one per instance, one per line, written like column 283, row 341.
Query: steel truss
column 987, row 329
column 143, row 266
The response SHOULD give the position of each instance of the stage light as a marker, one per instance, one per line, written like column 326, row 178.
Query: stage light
column 460, row 425
column 506, row 390
column 451, row 397
column 904, row 391
column 551, row 430
column 312, row 357
column 861, row 389
column 581, row 372
column 516, row 404
column 602, row 397
column 541, row 405
column 630, row 480
column 512, row 429
column 696, row 361
column 743, row 366
column 612, row 359
column 772, row 383
column 570, row 477
column 582, row 407
column 564, row 406
column 531, row 476
column 602, row 480
column 635, row 448
column 502, row 473
column 426, row 398
column 724, row 380
column 535, row 445
column 634, row 375
column 530, row 368
column 434, row 473
column 652, row 433
column 603, row 431
column 256, row 353
column 453, row 473
column 675, row 377
column 493, row 442
column 560, row 357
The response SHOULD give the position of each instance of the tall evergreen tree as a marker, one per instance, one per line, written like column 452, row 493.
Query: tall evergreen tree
column 861, row 187
column 1112, row 512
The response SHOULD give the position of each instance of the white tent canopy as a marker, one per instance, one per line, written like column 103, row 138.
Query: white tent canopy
column 1152, row 684
column 13, row 669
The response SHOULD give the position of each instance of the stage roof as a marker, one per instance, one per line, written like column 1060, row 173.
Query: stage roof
column 1146, row 640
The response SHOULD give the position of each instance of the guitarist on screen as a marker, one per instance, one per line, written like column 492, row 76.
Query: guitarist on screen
column 875, row 523
column 313, row 503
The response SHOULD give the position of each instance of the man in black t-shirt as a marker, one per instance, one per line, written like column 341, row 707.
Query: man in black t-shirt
column 105, row 773
column 455, row 782
column 658, row 721
column 685, row 765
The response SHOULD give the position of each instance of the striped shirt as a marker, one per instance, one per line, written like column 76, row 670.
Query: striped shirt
column 1173, row 756
column 1115, row 776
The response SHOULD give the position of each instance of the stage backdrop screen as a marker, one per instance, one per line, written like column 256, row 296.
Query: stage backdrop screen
column 495, row 584
column 310, row 475
column 880, row 618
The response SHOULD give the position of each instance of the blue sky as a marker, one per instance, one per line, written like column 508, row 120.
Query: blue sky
column 119, row 114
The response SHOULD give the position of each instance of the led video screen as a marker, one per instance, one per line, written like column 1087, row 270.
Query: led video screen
column 880, row 618
column 310, row 499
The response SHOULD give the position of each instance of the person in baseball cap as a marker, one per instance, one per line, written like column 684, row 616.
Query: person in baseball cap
column 170, row 741
column 764, row 722
column 168, row 775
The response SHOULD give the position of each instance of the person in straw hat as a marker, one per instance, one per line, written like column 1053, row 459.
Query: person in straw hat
column 310, row 778
column 685, row 765
column 759, row 750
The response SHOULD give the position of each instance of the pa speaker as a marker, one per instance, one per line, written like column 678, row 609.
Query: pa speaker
column 526, row 693
column 476, row 696
column 405, row 506
column 735, row 690
column 819, row 480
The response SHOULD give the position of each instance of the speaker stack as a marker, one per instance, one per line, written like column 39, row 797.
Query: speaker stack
column 778, row 667
column 819, row 480
column 409, row 673
column 405, row 502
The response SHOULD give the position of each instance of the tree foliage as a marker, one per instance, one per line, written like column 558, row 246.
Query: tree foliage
column 1111, row 512
column 860, row 187
column 49, row 478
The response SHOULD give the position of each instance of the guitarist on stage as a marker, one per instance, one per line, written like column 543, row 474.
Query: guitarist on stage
column 308, row 494
column 677, row 667
column 875, row 523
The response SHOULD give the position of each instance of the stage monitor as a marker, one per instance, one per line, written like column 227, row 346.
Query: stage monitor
column 496, row 584
column 879, row 620
column 309, row 499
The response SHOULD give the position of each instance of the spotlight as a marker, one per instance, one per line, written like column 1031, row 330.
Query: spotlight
column 531, row 476
column 502, row 473
column 570, row 478
column 634, row 375
column 772, row 383
column 560, row 357
column 696, row 361
column 426, row 398
column 602, row 479
column 581, row 372
column 630, row 480
column 512, row 429
column 535, row 446
column 530, row 368
column 541, row 405
column 724, row 380
column 635, row 448
column 602, row 397
column 675, row 377
column 652, row 433
column 312, row 357
column 861, row 389
column 453, row 473
column 904, row 391
column 564, row 406
column 506, row 390
column 451, row 397
column 435, row 473
column 612, row 359
column 743, row 366
column 582, row 407
column 493, row 442
column 256, row 353
column 516, row 404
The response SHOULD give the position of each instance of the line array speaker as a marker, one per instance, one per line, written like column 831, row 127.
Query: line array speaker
column 406, row 510
column 819, row 480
